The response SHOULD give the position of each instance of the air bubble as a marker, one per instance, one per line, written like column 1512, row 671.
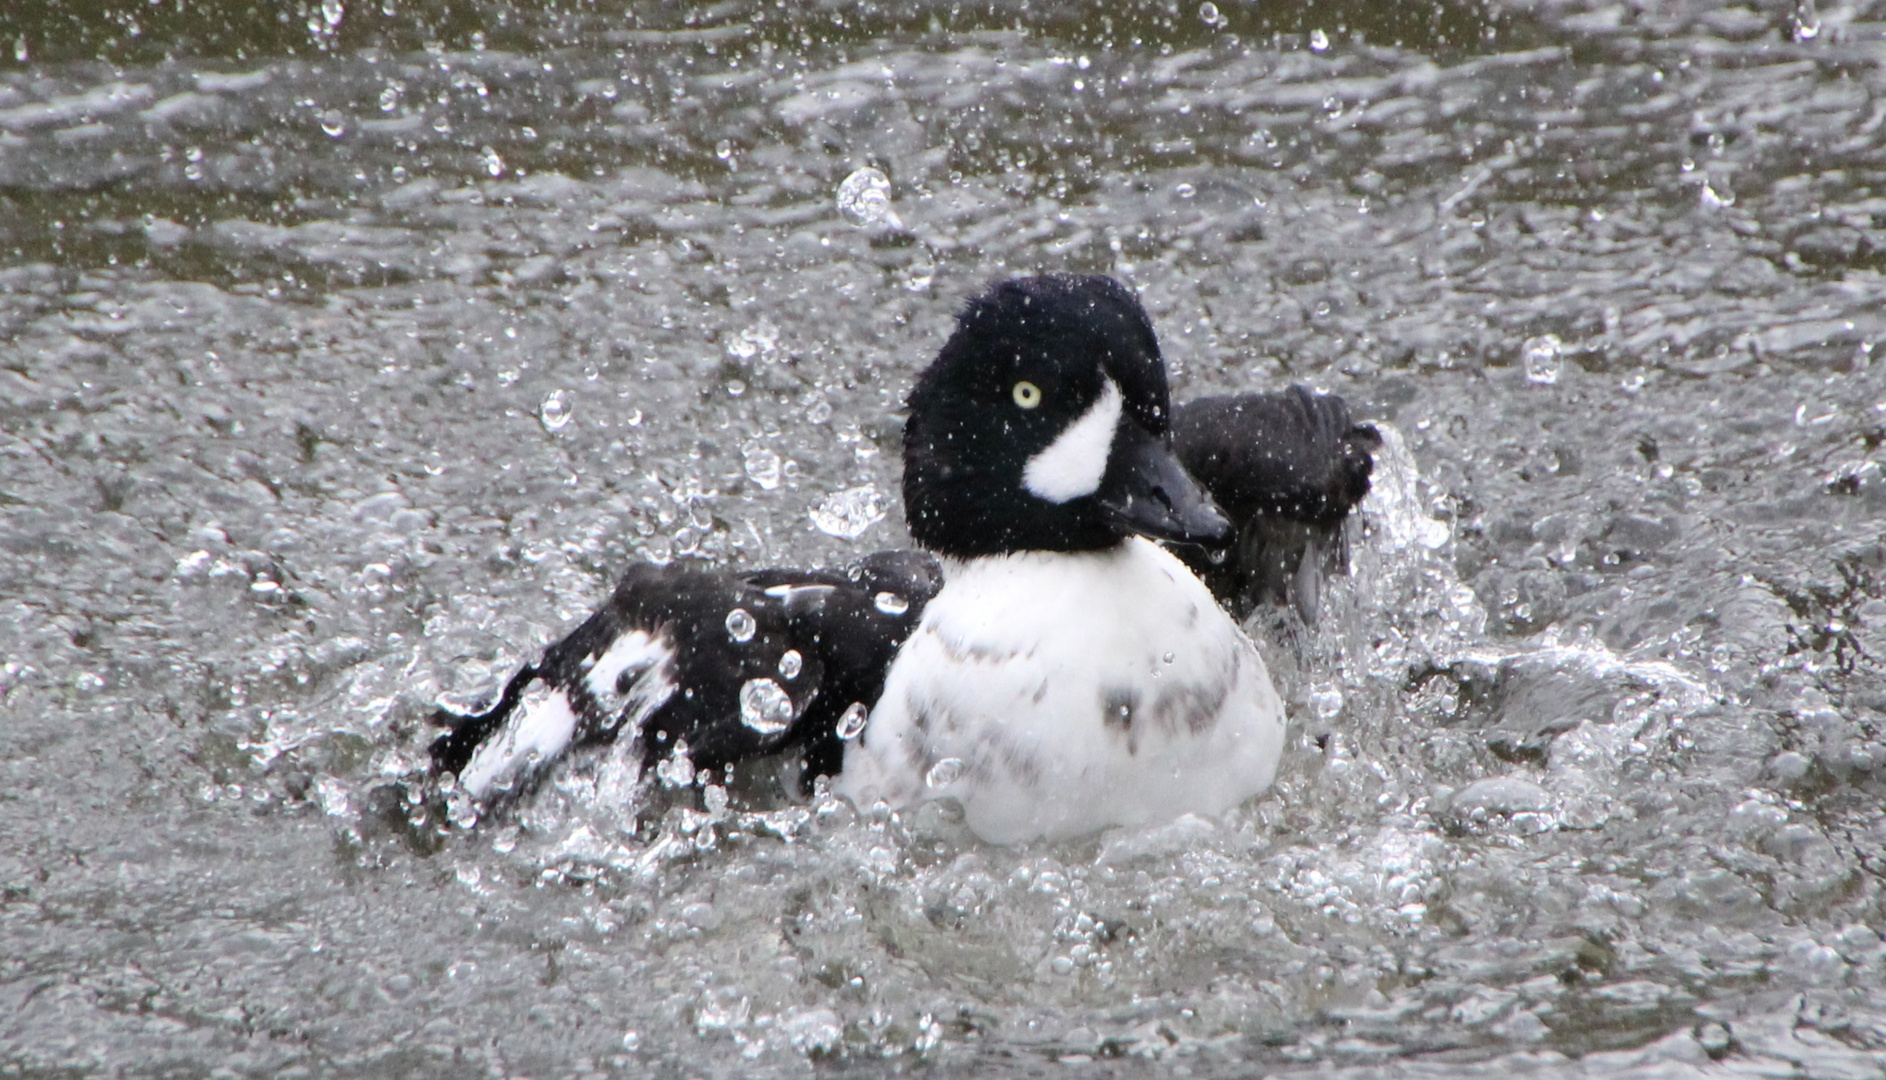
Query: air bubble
column 740, row 625
column 791, row 664
column 765, row 706
column 890, row 603
column 944, row 773
column 851, row 724
column 555, row 411
column 1541, row 355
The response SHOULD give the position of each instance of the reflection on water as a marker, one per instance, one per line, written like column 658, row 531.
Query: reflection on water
column 346, row 358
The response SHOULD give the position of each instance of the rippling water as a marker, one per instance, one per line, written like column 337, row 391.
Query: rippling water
column 344, row 360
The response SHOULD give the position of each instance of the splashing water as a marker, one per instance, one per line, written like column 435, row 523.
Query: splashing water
column 741, row 625
column 851, row 723
column 864, row 198
column 849, row 513
column 556, row 411
column 1540, row 355
column 766, row 707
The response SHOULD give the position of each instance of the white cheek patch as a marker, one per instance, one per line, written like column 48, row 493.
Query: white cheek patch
column 1074, row 462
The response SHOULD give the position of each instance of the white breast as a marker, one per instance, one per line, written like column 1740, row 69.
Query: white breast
column 1054, row 695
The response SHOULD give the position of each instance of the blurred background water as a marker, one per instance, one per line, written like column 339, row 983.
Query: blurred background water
column 349, row 349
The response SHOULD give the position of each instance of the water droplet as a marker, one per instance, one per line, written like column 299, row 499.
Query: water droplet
column 723, row 150
column 851, row 725
column 1715, row 200
column 334, row 122
column 1319, row 41
column 1209, row 14
column 677, row 769
column 847, row 514
column 765, row 706
column 890, row 603
column 1807, row 21
column 555, row 411
column 944, row 773
column 1169, row 657
column 740, row 625
column 492, row 162
column 1326, row 700
column 389, row 99
column 1186, row 190
column 763, row 465
column 332, row 12
column 864, row 198
column 20, row 52
column 790, row 664
column 1541, row 356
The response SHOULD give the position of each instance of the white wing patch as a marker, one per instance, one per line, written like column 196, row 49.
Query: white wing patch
column 1074, row 462
column 539, row 729
column 545, row 720
column 631, row 654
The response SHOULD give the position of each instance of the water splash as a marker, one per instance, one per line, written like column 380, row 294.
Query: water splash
column 849, row 513
column 766, row 707
column 864, row 199
column 556, row 411
column 1541, row 357
column 763, row 465
column 944, row 773
column 741, row 625
column 851, row 724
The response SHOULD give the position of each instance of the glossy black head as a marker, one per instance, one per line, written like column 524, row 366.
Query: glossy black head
column 1044, row 425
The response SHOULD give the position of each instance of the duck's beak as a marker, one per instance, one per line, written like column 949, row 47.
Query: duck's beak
column 1146, row 491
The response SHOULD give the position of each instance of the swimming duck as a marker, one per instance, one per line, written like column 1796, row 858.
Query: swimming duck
column 1047, row 662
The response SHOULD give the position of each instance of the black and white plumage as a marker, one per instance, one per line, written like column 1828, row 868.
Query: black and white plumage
column 733, row 664
column 1055, row 672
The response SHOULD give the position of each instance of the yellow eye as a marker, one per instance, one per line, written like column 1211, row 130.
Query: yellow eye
column 1027, row 394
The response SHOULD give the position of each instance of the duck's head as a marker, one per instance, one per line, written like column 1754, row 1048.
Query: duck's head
column 1044, row 425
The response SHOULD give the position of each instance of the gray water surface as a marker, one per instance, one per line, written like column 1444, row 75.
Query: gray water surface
column 345, row 359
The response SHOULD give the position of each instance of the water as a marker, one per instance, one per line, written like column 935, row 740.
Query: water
column 1586, row 762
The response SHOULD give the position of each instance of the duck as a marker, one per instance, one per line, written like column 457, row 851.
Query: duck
column 1063, row 654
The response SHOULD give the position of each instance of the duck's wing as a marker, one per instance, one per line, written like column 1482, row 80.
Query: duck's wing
column 737, row 665
column 1287, row 467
